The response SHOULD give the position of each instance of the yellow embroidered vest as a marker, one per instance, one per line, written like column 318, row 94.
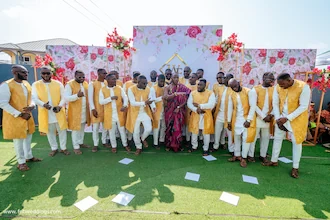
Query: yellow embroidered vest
column 17, row 128
column 159, row 105
column 261, row 94
column 74, row 108
column 133, row 111
column 188, row 111
column 97, row 85
column 218, row 91
column 244, row 96
column 55, row 93
column 128, row 84
column 299, row 124
column 107, row 124
column 201, row 98
column 119, row 83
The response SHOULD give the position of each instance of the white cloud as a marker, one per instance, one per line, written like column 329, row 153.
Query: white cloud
column 16, row 11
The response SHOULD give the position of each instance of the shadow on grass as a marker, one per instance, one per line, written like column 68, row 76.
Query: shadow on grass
column 151, row 174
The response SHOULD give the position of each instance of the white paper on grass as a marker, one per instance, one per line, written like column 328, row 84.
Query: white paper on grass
column 86, row 203
column 126, row 161
column 192, row 176
column 285, row 160
column 123, row 198
column 209, row 158
column 250, row 179
column 229, row 198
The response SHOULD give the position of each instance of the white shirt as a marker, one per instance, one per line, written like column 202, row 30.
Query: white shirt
column 72, row 98
column 185, row 81
column 104, row 101
column 303, row 106
column 239, row 124
column 152, row 84
column 91, row 95
column 261, row 114
column 5, row 98
column 209, row 105
column 142, row 116
column 157, row 99
column 221, row 114
column 51, row 114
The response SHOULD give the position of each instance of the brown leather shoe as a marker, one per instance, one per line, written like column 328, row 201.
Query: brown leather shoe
column 251, row 159
column 262, row 159
column 138, row 151
column 95, row 149
column 84, row 146
column 127, row 148
column 295, row 173
column 270, row 164
column 234, row 158
column 243, row 163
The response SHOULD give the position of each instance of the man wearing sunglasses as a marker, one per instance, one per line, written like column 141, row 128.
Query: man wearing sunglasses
column 76, row 93
column 17, row 122
column 48, row 94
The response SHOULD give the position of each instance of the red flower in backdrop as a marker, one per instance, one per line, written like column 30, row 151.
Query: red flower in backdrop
column 170, row 31
column 247, row 68
column 272, row 60
column 252, row 82
column 93, row 76
column 93, row 56
column 262, row 52
column 111, row 58
column 83, row 49
column 134, row 32
column 126, row 54
column 48, row 59
column 292, row 61
column 193, row 31
column 120, row 43
column 218, row 32
column 70, row 64
column 226, row 46
column 280, row 54
column 60, row 71
column 100, row 51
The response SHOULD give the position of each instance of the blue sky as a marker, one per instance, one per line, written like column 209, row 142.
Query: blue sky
column 259, row 23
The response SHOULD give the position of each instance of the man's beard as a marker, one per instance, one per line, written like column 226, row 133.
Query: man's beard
column 20, row 77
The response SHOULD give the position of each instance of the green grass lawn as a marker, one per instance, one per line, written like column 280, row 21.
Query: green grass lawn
column 156, row 178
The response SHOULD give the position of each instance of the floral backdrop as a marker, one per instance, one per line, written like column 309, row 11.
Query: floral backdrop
column 258, row 61
column 155, row 45
column 89, row 59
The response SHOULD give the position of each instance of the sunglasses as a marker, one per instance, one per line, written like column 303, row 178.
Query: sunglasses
column 46, row 73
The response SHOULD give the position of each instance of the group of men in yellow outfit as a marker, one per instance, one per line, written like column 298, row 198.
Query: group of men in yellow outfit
column 121, row 109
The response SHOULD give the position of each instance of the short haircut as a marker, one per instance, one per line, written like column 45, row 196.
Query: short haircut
column 202, row 80
column 110, row 74
column 168, row 70
column 136, row 74
column 78, row 71
column 194, row 74
column 267, row 74
column 221, row 73
column 45, row 67
column 161, row 76
column 229, row 75
column 114, row 71
column 201, row 70
column 100, row 70
column 283, row 76
column 142, row 77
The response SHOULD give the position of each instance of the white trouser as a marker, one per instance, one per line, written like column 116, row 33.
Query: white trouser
column 96, row 137
column 51, row 135
column 277, row 145
column 78, row 137
column 206, row 141
column 238, row 139
column 188, row 134
column 147, row 127
column 219, row 134
column 231, row 146
column 129, row 135
column 23, row 149
column 263, row 142
column 160, row 131
column 112, row 133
